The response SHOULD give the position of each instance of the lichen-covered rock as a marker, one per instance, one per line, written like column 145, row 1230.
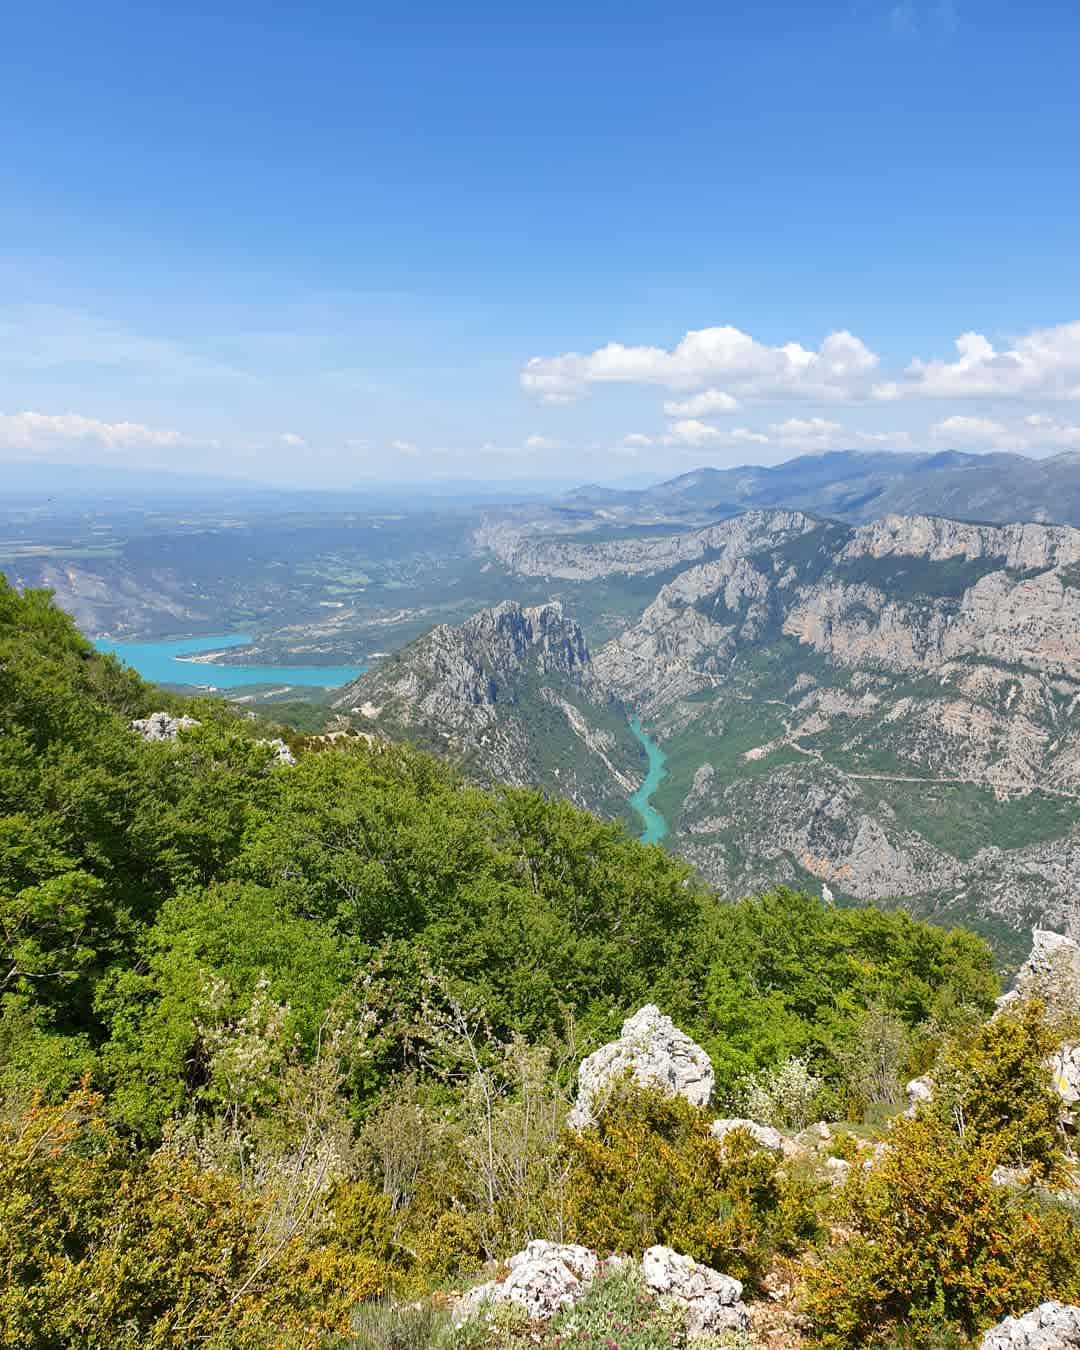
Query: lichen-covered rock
column 656, row 1053
column 162, row 726
column 712, row 1301
column 544, row 1278
column 1051, row 973
column 579, row 1259
column 1050, row 1326
column 764, row 1135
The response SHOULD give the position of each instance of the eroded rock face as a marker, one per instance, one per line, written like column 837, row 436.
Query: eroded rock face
column 764, row 1135
column 712, row 1301
column 656, row 1054
column 1051, row 973
column 1050, row 1326
column 544, row 1278
column 162, row 726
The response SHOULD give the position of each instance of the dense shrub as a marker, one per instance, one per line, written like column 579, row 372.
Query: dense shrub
column 650, row 1172
column 993, row 1087
column 934, row 1244
column 98, row 1248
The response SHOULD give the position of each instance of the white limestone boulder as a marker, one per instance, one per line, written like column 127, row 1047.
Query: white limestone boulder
column 763, row 1135
column 919, row 1091
column 655, row 1053
column 162, row 726
column 712, row 1302
column 544, row 1278
column 1050, row 1326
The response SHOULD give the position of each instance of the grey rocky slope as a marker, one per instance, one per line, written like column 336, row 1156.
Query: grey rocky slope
column 511, row 694
column 890, row 710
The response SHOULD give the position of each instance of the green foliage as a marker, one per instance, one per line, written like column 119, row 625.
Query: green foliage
column 650, row 1172
column 994, row 1088
column 935, row 1245
column 97, row 1248
column 788, row 975
column 327, row 1014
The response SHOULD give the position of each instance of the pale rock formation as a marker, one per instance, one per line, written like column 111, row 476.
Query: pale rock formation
column 544, row 1278
column 655, row 1053
column 839, row 1170
column 1050, row 1326
column 1065, row 1072
column 713, row 1302
column 919, row 1092
column 764, row 1135
column 282, row 753
column 162, row 726
column 1051, row 972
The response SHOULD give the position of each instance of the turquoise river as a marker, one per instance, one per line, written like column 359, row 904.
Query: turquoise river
column 654, row 822
column 170, row 663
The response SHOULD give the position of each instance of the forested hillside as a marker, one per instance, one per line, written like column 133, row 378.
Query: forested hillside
column 280, row 1039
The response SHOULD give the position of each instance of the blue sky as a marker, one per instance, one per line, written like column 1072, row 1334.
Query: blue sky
column 334, row 242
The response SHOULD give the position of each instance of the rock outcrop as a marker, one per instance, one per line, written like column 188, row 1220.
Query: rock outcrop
column 655, row 1053
column 1051, row 973
column 544, row 1278
column 1050, row 1326
column 162, row 726
column 763, row 1135
column 919, row 1091
column 548, row 1277
column 713, row 1302
column 282, row 753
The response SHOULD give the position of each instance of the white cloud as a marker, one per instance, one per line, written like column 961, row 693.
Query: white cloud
column 541, row 443
column 405, row 448
column 636, row 441
column 1044, row 363
column 840, row 369
column 1034, row 433
column 692, row 432
column 45, row 431
column 291, row 439
column 804, row 430
column 712, row 401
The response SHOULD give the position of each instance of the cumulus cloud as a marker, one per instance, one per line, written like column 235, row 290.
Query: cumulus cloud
column 45, row 431
column 1044, row 363
column 1033, row 433
column 840, row 369
column 707, row 404
column 405, row 448
column 691, row 431
column 801, row 430
column 291, row 439
column 636, row 441
column 540, row 443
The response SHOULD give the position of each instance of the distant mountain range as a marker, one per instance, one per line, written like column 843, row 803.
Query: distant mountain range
column 861, row 486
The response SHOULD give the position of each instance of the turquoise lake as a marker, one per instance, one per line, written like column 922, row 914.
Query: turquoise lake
column 654, row 822
column 163, row 663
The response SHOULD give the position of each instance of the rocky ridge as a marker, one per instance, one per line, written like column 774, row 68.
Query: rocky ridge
column 511, row 693
column 891, row 711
